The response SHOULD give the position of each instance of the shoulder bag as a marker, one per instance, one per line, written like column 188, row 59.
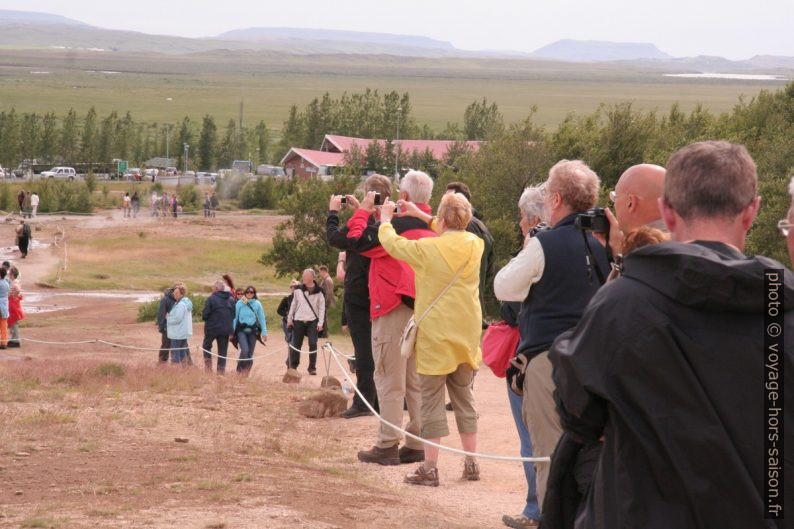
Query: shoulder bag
column 408, row 338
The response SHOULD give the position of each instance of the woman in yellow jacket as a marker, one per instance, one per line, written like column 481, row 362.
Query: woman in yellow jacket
column 448, row 338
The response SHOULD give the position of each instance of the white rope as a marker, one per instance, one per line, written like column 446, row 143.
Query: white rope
column 541, row 459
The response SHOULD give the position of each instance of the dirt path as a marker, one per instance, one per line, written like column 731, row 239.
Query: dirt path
column 103, row 453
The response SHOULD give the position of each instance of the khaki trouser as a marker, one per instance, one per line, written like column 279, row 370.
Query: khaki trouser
column 461, row 394
column 540, row 416
column 396, row 379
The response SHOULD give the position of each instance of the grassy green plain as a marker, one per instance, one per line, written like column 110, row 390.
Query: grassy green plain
column 215, row 82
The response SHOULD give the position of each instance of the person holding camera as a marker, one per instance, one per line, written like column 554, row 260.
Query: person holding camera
column 356, row 302
column 392, row 293
column 555, row 277
column 447, row 350
column 671, row 364
column 635, row 200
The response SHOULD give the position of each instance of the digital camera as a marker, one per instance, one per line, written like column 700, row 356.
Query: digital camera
column 594, row 220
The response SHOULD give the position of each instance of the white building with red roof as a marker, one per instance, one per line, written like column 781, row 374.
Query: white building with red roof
column 307, row 163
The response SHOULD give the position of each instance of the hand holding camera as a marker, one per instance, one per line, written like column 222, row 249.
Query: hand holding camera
column 371, row 200
column 388, row 210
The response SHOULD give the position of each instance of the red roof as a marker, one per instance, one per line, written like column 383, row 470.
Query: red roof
column 439, row 148
column 316, row 158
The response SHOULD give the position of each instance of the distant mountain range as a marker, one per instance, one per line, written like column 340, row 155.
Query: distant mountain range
column 22, row 29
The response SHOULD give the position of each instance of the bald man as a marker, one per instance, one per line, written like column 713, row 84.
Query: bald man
column 636, row 203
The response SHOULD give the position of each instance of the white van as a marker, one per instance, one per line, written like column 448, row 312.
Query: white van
column 60, row 173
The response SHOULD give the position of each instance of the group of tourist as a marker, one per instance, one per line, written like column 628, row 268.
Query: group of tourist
column 164, row 206
column 639, row 366
column 28, row 202
column 11, row 311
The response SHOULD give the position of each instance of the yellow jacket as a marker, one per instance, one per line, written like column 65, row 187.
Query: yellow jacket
column 450, row 333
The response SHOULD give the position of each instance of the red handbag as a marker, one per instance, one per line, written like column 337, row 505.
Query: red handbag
column 499, row 344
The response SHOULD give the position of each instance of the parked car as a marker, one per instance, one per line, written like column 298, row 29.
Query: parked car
column 150, row 174
column 170, row 171
column 60, row 173
column 270, row 170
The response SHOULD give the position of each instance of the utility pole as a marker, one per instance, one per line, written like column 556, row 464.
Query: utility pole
column 187, row 148
column 397, row 147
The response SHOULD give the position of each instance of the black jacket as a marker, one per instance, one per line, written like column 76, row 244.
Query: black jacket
column 166, row 304
column 218, row 314
column 356, row 265
column 283, row 307
column 668, row 364
column 487, row 262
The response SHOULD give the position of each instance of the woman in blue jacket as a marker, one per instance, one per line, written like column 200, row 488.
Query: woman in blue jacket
column 179, row 324
column 249, row 326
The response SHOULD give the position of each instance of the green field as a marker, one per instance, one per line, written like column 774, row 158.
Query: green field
column 214, row 83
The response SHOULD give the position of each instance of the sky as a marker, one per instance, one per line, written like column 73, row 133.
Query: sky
column 728, row 28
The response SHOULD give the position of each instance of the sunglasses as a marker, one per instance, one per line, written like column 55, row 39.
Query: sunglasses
column 250, row 292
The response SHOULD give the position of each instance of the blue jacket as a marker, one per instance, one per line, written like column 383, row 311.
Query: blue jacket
column 180, row 320
column 248, row 312
column 4, row 288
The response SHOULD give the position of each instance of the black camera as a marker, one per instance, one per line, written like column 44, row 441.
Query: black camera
column 344, row 201
column 377, row 199
column 594, row 220
column 537, row 228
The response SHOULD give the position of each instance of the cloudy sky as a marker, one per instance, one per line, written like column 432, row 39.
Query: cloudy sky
column 728, row 28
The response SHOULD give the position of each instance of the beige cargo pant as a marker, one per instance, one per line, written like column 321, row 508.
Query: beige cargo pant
column 540, row 416
column 396, row 380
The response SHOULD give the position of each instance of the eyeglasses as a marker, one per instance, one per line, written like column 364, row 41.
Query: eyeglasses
column 784, row 226
column 250, row 292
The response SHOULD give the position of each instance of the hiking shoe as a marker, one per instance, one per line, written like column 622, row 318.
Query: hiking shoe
column 355, row 411
column 471, row 471
column 423, row 476
column 381, row 456
column 312, row 372
column 411, row 455
column 519, row 522
column 13, row 344
column 449, row 407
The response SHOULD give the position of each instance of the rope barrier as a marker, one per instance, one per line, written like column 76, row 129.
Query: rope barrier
column 327, row 347
column 334, row 353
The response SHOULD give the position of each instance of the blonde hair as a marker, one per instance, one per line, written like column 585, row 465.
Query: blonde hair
column 455, row 211
column 576, row 183
column 643, row 236
column 180, row 286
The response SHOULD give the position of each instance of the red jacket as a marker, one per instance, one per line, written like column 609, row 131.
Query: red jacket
column 391, row 282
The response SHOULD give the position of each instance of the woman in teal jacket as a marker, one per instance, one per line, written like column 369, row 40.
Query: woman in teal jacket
column 249, row 326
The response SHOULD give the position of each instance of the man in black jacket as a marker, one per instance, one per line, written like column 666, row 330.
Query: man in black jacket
column 218, row 316
column 669, row 365
column 356, row 300
column 166, row 304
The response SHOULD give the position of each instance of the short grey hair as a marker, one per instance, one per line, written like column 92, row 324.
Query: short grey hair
column 576, row 183
column 219, row 285
column 310, row 271
column 418, row 186
column 531, row 202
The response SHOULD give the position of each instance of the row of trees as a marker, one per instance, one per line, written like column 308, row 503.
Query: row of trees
column 74, row 139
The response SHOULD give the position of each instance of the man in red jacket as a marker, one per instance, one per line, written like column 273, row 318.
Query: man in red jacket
column 391, row 289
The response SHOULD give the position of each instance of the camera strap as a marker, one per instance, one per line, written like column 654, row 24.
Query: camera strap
column 592, row 263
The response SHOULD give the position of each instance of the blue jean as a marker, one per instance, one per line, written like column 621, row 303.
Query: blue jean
column 531, row 510
column 247, row 342
column 178, row 351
